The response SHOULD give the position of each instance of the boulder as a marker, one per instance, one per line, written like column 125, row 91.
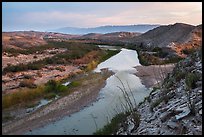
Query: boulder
column 186, row 112
column 164, row 116
column 172, row 125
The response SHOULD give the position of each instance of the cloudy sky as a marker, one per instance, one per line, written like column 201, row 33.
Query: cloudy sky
column 44, row 16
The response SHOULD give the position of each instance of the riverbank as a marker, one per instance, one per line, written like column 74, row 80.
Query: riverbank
column 153, row 74
column 78, row 99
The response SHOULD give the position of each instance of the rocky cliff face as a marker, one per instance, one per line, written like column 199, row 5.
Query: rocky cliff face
column 176, row 107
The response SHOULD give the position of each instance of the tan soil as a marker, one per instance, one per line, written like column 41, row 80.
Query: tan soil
column 153, row 74
column 6, row 59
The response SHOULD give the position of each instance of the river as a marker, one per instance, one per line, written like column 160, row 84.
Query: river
column 96, row 115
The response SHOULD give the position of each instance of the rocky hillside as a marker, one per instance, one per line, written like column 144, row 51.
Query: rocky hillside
column 162, row 36
column 176, row 107
column 192, row 42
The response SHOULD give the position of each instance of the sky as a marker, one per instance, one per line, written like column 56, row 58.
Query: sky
column 42, row 16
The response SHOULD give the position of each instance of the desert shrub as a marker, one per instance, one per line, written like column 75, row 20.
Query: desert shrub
column 93, row 64
column 53, row 52
column 7, row 117
column 51, row 86
column 188, row 51
column 21, row 96
column 157, row 49
column 143, row 59
column 156, row 103
column 39, row 74
column 191, row 80
column 55, row 87
column 108, row 54
column 179, row 75
column 60, row 69
column 74, row 84
column 26, row 76
column 50, row 95
column 27, row 83
column 35, row 57
column 174, row 59
column 113, row 126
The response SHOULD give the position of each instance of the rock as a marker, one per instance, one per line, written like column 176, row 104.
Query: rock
column 200, row 112
column 143, row 132
column 164, row 116
column 186, row 112
column 154, row 116
column 172, row 125
column 131, row 126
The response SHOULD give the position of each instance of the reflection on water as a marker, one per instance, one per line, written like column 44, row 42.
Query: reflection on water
column 109, row 99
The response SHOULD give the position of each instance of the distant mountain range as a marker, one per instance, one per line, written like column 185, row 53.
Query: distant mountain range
column 106, row 29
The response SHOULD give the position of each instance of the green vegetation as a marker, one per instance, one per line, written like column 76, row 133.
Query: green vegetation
column 103, row 55
column 188, row 51
column 6, row 118
column 155, row 59
column 191, row 80
column 142, row 59
column 48, row 90
column 22, row 96
column 108, row 54
column 159, row 52
column 179, row 75
column 113, row 126
column 156, row 103
column 116, row 122
column 153, row 56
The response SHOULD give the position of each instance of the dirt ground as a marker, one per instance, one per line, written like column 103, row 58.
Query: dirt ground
column 11, row 81
column 153, row 74
column 21, row 58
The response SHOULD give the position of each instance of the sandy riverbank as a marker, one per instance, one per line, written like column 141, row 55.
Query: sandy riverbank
column 151, row 75
column 80, row 98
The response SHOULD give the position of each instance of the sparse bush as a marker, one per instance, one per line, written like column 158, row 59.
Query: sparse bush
column 157, row 49
column 74, row 84
column 179, row 75
column 55, row 87
column 21, row 96
column 39, row 74
column 50, row 95
column 27, row 83
column 60, row 69
column 26, row 76
column 113, row 126
column 7, row 117
column 91, row 65
column 188, row 51
column 156, row 103
column 35, row 57
column 191, row 80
